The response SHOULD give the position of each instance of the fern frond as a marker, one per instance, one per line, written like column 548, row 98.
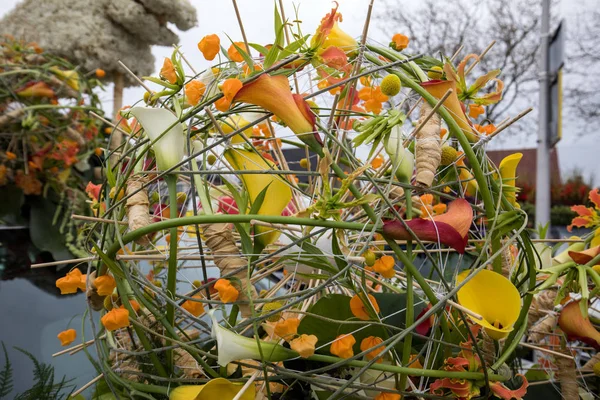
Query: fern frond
column 6, row 379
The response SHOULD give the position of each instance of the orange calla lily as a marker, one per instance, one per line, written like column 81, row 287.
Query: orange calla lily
column 273, row 94
column 36, row 89
column 585, row 256
column 438, row 88
column 450, row 228
column 572, row 322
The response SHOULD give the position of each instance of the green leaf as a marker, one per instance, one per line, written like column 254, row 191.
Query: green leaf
column 337, row 253
column 244, row 238
column 259, row 200
column 240, row 201
column 44, row 235
column 244, row 55
column 110, row 264
column 273, row 53
column 261, row 49
column 337, row 307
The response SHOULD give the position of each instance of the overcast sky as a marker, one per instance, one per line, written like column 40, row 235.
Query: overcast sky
column 217, row 16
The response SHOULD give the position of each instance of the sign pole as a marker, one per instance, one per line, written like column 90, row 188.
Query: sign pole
column 542, row 197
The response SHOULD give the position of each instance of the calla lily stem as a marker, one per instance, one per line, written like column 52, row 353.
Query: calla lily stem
column 172, row 268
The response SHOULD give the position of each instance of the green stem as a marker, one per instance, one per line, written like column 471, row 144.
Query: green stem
column 410, row 371
column 172, row 269
column 220, row 218
column 410, row 312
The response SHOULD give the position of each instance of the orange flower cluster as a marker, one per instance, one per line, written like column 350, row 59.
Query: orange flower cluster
column 227, row 292
column 168, row 72
column 385, row 266
column 105, row 285
column 67, row 337
column 116, row 318
column 373, row 98
column 343, row 346
column 360, row 310
column 71, row 282
column 399, row 42
column 230, row 88
column 28, row 183
column 210, row 46
column 195, row 308
column 194, row 91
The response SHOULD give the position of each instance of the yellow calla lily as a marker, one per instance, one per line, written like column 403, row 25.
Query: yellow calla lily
column 218, row 388
column 492, row 296
column 70, row 77
column 508, row 172
column 278, row 194
column 233, row 123
column 329, row 34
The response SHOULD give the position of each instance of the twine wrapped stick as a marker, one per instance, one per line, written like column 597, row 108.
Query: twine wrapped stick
column 138, row 213
column 429, row 149
column 227, row 258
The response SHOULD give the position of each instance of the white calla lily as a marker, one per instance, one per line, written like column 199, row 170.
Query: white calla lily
column 234, row 347
column 403, row 161
column 169, row 149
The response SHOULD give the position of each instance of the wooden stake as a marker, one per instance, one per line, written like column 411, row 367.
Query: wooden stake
column 87, row 385
column 556, row 353
column 73, row 261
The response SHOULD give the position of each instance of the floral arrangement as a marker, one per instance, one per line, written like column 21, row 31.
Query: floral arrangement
column 216, row 272
column 47, row 138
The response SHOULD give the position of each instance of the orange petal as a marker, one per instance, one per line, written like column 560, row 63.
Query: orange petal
column 273, row 94
column 576, row 327
column 335, row 58
column 595, row 197
column 438, row 88
column 584, row 257
column 450, row 228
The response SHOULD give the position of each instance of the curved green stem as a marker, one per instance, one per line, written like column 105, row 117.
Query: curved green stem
column 220, row 218
column 410, row 371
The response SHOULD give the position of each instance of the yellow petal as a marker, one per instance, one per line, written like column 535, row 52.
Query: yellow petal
column 233, row 123
column 278, row 194
column 219, row 388
column 492, row 296
column 508, row 172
